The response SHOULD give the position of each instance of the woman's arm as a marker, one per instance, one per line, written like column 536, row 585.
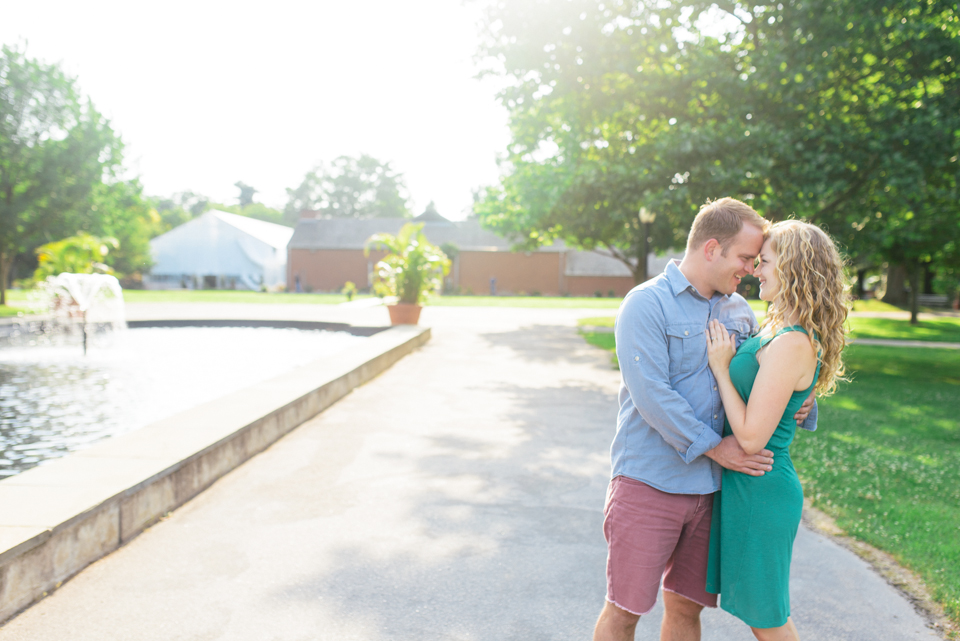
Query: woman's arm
column 787, row 360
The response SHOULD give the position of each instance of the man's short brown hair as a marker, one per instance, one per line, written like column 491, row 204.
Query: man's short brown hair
column 723, row 219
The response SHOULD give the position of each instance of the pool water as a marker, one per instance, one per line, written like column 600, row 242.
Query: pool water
column 54, row 400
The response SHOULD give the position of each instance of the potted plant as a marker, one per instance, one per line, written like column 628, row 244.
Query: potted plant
column 412, row 269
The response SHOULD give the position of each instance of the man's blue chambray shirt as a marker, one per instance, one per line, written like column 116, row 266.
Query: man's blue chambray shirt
column 670, row 408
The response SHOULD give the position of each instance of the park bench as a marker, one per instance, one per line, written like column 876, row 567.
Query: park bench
column 933, row 300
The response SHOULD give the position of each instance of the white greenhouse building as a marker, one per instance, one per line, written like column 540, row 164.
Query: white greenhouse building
column 219, row 250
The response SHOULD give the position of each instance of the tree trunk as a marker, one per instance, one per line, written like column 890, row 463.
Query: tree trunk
column 640, row 274
column 916, row 282
column 928, row 276
column 896, row 277
column 6, row 261
column 861, row 274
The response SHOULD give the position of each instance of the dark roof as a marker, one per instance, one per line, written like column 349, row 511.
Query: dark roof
column 349, row 233
column 432, row 217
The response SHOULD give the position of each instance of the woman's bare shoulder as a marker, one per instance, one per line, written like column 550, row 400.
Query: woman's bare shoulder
column 792, row 352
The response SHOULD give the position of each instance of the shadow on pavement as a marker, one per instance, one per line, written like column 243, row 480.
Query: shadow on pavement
column 508, row 540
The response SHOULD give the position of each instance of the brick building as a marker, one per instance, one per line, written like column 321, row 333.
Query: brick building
column 325, row 253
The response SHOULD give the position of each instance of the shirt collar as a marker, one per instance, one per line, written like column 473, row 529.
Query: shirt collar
column 679, row 283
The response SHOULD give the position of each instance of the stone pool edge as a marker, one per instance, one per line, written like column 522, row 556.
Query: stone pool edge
column 58, row 518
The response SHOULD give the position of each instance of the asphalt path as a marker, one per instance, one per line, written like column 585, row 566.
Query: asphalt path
column 456, row 496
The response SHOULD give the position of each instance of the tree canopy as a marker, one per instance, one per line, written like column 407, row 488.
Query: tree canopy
column 844, row 113
column 350, row 187
column 246, row 193
column 54, row 149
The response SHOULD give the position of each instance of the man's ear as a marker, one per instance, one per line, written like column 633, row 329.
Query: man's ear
column 711, row 249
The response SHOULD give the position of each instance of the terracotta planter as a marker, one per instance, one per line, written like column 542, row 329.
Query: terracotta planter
column 404, row 313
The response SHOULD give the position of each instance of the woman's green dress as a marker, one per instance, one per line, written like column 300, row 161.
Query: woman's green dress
column 755, row 518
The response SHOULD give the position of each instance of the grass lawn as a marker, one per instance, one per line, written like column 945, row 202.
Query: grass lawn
column 946, row 329
column 17, row 295
column 874, row 305
column 6, row 310
column 603, row 340
column 885, row 461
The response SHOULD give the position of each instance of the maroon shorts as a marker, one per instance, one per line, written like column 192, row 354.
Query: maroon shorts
column 653, row 535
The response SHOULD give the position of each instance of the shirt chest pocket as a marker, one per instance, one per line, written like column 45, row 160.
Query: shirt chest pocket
column 686, row 345
column 739, row 329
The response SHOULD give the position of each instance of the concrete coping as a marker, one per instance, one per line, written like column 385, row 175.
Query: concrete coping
column 59, row 517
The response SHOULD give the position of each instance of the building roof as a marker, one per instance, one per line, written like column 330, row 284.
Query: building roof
column 349, row 233
column 432, row 216
column 272, row 234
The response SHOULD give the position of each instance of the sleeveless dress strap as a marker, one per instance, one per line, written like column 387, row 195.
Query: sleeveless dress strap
column 792, row 328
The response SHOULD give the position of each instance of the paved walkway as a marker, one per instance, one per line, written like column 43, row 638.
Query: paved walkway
column 457, row 496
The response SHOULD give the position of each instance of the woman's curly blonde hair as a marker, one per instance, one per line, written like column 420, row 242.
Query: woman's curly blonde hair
column 813, row 289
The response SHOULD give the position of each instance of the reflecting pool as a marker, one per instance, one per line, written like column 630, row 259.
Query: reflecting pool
column 55, row 400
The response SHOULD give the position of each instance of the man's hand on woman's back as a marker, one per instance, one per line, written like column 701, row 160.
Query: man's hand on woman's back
column 730, row 455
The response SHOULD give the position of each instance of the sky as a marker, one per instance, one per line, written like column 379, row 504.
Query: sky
column 205, row 93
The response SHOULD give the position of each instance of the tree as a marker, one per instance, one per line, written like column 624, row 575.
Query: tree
column 181, row 207
column 246, row 193
column 810, row 108
column 361, row 187
column 54, row 149
column 120, row 211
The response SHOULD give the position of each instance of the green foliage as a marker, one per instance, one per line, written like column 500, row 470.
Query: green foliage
column 349, row 290
column 412, row 268
column 360, row 187
column 842, row 112
column 886, row 460
column 80, row 254
column 119, row 210
column 179, row 208
column 54, row 150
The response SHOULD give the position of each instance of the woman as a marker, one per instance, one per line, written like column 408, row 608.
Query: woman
column 798, row 349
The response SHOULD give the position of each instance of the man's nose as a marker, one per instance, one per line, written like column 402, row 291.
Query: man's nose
column 749, row 267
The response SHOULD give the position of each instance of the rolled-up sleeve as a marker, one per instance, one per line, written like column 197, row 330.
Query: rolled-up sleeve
column 810, row 423
column 643, row 352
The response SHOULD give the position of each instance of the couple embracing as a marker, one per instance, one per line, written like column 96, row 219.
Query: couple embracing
column 708, row 402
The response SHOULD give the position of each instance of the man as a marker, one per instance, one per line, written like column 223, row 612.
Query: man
column 667, row 452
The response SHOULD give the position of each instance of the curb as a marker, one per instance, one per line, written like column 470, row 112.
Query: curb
column 60, row 517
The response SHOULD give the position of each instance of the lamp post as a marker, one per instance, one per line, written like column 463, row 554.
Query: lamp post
column 646, row 217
